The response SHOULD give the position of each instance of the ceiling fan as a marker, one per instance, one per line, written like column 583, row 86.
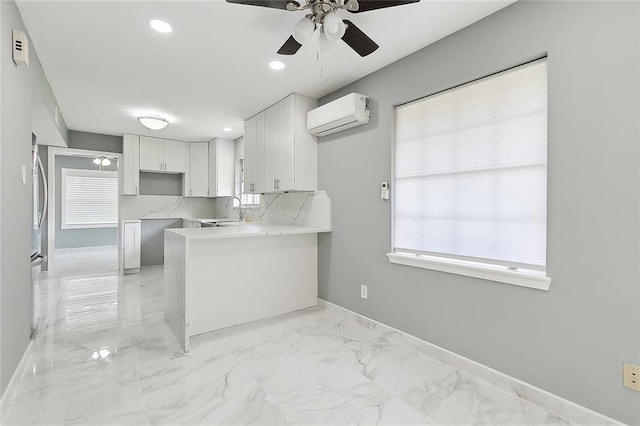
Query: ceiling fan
column 323, row 17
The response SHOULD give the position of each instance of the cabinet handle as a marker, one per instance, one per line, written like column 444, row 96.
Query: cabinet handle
column 191, row 192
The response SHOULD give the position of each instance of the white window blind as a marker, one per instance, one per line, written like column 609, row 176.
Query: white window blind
column 471, row 171
column 89, row 198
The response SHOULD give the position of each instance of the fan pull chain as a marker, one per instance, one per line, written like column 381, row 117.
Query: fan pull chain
column 319, row 56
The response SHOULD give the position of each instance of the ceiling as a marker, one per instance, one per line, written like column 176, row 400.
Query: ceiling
column 106, row 65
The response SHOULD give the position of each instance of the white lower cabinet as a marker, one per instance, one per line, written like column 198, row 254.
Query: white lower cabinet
column 131, row 230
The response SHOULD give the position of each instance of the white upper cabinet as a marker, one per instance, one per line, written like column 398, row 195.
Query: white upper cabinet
column 162, row 155
column 151, row 154
column 254, row 143
column 289, row 152
column 174, row 156
column 221, row 168
column 211, row 169
column 131, row 165
column 197, row 176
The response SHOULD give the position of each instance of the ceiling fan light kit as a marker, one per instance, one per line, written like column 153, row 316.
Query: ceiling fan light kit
column 334, row 28
column 304, row 29
column 323, row 15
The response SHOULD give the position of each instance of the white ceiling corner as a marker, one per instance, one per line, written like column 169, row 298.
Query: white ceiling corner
column 106, row 65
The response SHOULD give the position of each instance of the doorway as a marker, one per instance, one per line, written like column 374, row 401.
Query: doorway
column 82, row 224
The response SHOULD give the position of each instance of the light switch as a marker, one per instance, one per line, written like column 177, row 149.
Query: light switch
column 24, row 174
column 384, row 191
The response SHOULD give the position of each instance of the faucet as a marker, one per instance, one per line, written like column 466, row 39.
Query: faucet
column 241, row 215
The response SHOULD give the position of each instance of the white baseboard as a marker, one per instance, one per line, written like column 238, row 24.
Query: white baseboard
column 83, row 250
column 562, row 407
column 16, row 379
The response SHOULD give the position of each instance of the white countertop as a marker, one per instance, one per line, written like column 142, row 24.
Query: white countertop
column 244, row 230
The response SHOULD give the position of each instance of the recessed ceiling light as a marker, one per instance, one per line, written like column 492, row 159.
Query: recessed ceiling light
column 227, row 129
column 276, row 65
column 153, row 123
column 160, row 26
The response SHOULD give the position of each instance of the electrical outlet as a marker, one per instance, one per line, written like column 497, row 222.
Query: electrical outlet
column 363, row 291
column 632, row 376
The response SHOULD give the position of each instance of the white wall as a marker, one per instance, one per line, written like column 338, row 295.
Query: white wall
column 571, row 340
column 18, row 84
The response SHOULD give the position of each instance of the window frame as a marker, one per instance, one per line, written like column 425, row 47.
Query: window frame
column 64, row 173
column 535, row 279
column 240, row 186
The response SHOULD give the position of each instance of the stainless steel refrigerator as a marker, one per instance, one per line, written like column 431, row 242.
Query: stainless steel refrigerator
column 39, row 213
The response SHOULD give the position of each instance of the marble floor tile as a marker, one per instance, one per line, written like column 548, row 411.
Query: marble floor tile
column 104, row 355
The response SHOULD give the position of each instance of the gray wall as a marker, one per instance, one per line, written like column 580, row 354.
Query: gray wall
column 160, row 183
column 16, row 91
column 571, row 340
column 94, row 141
column 89, row 237
column 152, row 240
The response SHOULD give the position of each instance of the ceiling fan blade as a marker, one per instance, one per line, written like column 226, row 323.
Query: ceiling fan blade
column 367, row 5
column 358, row 40
column 274, row 4
column 290, row 47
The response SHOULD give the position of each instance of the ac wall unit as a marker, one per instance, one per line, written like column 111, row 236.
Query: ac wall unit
column 348, row 111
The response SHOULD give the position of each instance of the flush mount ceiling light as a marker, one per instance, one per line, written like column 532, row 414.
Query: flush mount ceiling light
column 227, row 129
column 276, row 65
column 160, row 26
column 153, row 123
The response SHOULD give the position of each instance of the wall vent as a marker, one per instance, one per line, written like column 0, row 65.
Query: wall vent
column 20, row 48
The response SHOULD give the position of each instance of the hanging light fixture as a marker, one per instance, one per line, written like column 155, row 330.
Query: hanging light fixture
column 153, row 123
column 102, row 161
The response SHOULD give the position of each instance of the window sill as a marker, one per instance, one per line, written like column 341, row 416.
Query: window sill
column 523, row 278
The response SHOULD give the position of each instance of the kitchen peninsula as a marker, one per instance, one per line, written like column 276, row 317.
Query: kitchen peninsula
column 224, row 276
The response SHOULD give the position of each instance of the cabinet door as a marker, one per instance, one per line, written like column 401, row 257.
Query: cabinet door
column 287, row 143
column 254, row 151
column 174, row 156
column 131, row 245
column 151, row 154
column 273, row 147
column 198, row 173
column 131, row 164
column 261, row 184
column 249, row 155
column 221, row 167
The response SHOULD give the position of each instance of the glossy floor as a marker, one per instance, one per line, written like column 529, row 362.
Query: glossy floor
column 106, row 356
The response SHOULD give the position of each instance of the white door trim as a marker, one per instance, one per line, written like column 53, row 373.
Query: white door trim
column 51, row 184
